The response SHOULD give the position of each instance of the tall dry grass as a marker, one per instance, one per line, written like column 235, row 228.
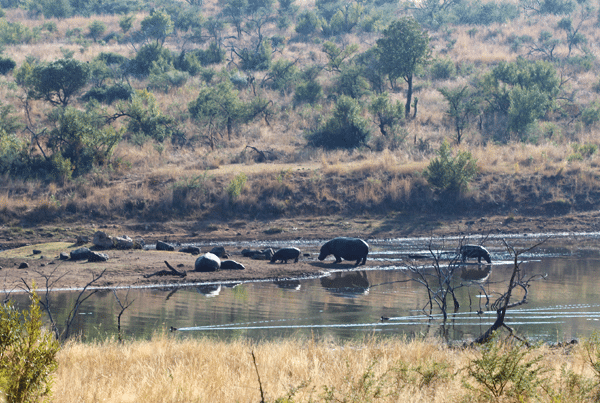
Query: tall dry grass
column 168, row 369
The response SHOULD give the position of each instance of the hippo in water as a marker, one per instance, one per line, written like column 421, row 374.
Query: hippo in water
column 347, row 249
column 475, row 251
column 285, row 254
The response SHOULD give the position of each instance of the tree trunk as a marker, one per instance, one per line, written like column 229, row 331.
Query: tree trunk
column 408, row 96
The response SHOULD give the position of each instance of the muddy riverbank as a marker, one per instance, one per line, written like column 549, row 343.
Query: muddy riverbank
column 131, row 267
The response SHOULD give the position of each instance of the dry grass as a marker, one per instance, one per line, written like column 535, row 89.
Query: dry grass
column 186, row 370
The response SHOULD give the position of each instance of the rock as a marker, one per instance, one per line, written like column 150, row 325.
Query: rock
column 24, row 265
column 250, row 252
column 63, row 256
column 219, row 251
column 80, row 254
column 207, row 262
column 231, row 265
column 37, row 252
column 102, row 240
column 194, row 250
column 160, row 245
column 265, row 254
column 97, row 257
column 124, row 242
column 82, row 240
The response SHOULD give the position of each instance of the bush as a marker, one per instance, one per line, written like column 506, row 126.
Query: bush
column 308, row 92
column 110, row 94
column 235, row 187
column 6, row 65
column 451, row 174
column 442, row 69
column 27, row 353
column 308, row 23
column 212, row 55
column 345, row 129
column 142, row 63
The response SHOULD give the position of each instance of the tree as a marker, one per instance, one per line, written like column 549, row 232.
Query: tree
column 346, row 128
column 218, row 108
column 449, row 174
column 57, row 81
column 387, row 114
column 402, row 49
column 157, row 26
column 461, row 106
column 97, row 29
column 27, row 353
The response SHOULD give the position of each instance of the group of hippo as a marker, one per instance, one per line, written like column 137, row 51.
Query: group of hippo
column 341, row 248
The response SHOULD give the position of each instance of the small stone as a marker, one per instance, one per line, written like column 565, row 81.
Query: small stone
column 24, row 265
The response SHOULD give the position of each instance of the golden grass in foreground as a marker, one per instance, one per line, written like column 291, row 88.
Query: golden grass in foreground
column 167, row 369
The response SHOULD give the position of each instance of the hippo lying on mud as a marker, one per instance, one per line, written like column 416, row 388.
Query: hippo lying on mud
column 475, row 251
column 285, row 254
column 347, row 249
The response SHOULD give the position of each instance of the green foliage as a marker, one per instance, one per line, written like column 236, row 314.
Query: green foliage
column 27, row 353
column 451, row 174
column 351, row 82
column 258, row 58
column 6, row 65
column 81, row 137
column 57, row 82
column 309, row 92
column 144, row 118
column 387, row 114
column 236, row 185
column 13, row 149
column 14, row 33
column 146, row 56
column 402, row 49
column 109, row 94
column 157, row 26
column 97, row 29
column 591, row 114
column 442, row 69
column 165, row 81
column 308, row 23
column 212, row 55
column 282, row 75
column 188, row 62
column 462, row 105
column 344, row 20
column 50, row 8
column 506, row 369
column 346, row 128
column 522, row 92
column 126, row 22
column 557, row 7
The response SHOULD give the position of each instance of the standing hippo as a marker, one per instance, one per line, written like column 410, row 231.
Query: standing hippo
column 346, row 248
column 475, row 251
column 285, row 254
column 207, row 262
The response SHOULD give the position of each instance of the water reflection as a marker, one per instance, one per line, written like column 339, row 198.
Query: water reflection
column 350, row 304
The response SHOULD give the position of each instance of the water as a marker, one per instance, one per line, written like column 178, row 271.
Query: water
column 350, row 305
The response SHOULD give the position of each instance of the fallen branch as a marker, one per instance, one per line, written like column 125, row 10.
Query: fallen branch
column 171, row 272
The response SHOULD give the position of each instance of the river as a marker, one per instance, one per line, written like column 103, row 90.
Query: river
column 563, row 305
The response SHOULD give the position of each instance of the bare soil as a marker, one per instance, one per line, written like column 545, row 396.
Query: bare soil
column 132, row 267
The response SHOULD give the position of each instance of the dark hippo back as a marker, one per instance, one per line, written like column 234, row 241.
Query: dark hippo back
column 347, row 249
column 207, row 262
column 285, row 254
column 475, row 251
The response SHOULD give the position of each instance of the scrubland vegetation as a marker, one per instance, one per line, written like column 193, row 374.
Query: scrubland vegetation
column 156, row 109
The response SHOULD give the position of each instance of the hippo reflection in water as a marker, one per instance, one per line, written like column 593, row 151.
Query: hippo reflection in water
column 477, row 274
column 475, row 251
column 347, row 283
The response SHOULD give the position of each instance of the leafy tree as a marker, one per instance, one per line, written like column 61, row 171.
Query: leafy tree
column 146, row 56
column 336, row 56
column 27, row 353
column 308, row 23
column 387, row 114
column 97, row 29
column 351, row 82
column 145, row 119
column 157, row 26
column 51, row 8
column 6, row 65
column 402, row 49
column 282, row 75
column 449, row 174
column 13, row 149
column 345, row 129
column 57, row 82
column 219, row 108
column 521, row 91
column 126, row 22
column 258, row 58
column 309, row 91
column 81, row 137
column 461, row 106
column 235, row 11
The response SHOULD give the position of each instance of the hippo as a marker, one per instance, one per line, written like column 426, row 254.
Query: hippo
column 231, row 265
column 346, row 248
column 285, row 254
column 473, row 251
column 207, row 262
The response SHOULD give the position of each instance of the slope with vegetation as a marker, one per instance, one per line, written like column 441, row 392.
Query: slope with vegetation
column 126, row 109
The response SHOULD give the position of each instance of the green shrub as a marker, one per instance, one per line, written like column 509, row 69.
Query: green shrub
column 6, row 65
column 97, row 29
column 235, row 187
column 148, row 54
column 27, row 353
column 346, row 128
column 451, row 174
column 442, row 69
column 308, row 92
column 506, row 369
column 109, row 94
column 308, row 23
column 213, row 55
column 14, row 33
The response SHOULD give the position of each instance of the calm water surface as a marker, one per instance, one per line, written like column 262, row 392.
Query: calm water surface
column 349, row 305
